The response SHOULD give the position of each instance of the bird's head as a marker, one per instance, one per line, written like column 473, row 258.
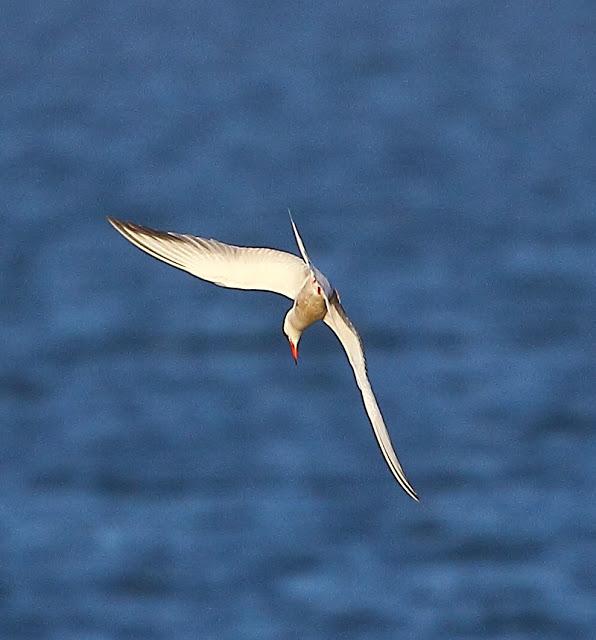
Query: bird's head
column 293, row 336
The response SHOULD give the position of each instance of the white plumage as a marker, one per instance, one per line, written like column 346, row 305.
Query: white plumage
column 283, row 273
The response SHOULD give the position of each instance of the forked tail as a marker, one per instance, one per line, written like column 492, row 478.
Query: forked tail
column 299, row 242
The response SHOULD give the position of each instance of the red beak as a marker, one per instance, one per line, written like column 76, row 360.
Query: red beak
column 294, row 350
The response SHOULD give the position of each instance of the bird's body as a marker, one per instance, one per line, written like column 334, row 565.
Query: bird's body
column 309, row 306
column 296, row 278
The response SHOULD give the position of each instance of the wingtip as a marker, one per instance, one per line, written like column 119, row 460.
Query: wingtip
column 123, row 228
column 114, row 222
column 407, row 487
column 412, row 493
column 409, row 490
column 120, row 225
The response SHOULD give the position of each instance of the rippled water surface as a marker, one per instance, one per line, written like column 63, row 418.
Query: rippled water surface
column 166, row 470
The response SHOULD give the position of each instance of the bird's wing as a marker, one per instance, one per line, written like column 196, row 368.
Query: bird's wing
column 340, row 324
column 222, row 264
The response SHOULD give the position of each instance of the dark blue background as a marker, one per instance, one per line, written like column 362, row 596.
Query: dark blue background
column 166, row 472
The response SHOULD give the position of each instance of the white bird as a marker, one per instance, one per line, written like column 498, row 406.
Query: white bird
column 281, row 272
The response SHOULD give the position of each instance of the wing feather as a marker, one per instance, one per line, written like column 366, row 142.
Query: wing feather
column 340, row 324
column 222, row 264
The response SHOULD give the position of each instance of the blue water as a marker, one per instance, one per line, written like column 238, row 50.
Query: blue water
column 166, row 471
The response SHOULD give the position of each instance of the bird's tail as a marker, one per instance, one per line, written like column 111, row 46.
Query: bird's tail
column 299, row 242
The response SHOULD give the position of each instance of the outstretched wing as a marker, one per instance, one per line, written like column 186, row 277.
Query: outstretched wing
column 223, row 264
column 340, row 324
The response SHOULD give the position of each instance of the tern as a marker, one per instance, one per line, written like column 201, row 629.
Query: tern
column 289, row 275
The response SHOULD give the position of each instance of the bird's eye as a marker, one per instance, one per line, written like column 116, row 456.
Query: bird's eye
column 319, row 290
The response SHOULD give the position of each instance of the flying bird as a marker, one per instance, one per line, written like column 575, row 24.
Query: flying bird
column 284, row 273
